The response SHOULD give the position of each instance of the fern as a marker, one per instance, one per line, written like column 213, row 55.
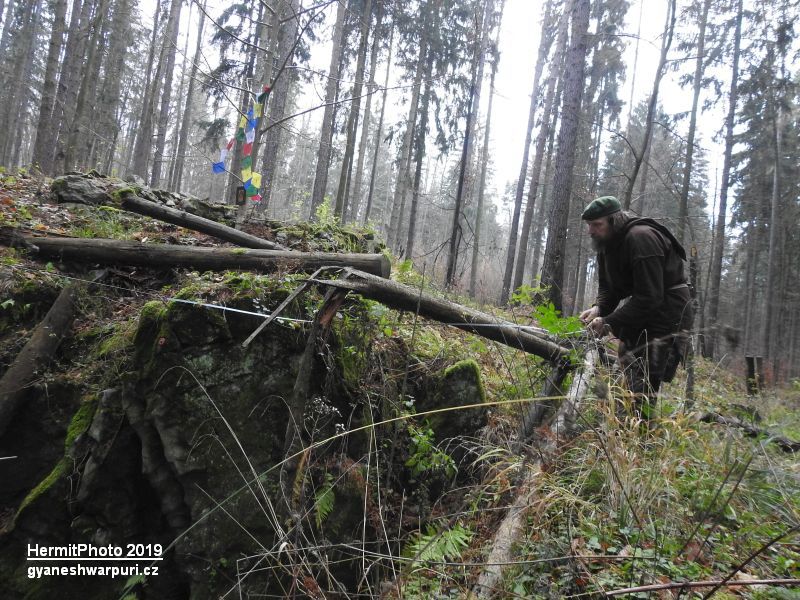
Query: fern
column 324, row 499
column 439, row 546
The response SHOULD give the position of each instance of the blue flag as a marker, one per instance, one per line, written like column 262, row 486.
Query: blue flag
column 218, row 167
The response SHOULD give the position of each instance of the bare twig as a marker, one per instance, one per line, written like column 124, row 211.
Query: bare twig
column 699, row 584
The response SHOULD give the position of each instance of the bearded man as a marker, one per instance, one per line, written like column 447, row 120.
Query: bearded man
column 643, row 297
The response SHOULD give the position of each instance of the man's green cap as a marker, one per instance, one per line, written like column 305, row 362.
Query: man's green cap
column 601, row 207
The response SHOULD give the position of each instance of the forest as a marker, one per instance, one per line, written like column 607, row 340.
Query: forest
column 397, row 178
column 396, row 132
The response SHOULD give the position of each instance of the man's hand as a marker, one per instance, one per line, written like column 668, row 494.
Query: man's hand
column 597, row 326
column 589, row 314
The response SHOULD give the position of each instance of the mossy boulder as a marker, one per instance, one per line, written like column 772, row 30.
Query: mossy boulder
column 458, row 385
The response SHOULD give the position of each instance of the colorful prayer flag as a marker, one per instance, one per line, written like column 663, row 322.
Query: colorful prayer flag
column 242, row 122
column 247, row 149
column 230, row 144
column 256, row 198
column 252, row 191
column 250, row 136
column 240, row 135
column 247, row 162
column 223, row 154
column 246, row 174
column 256, row 180
column 218, row 167
column 259, row 109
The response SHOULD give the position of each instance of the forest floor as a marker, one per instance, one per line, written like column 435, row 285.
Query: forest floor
column 619, row 505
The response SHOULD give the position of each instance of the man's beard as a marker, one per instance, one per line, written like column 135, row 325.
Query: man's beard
column 598, row 244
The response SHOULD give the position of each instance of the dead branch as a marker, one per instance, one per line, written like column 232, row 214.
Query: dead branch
column 700, row 584
column 783, row 443
column 35, row 355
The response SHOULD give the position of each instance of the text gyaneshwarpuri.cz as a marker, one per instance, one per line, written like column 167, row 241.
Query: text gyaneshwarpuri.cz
column 77, row 554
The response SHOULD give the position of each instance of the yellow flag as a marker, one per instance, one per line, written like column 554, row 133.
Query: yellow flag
column 242, row 122
column 246, row 174
column 258, row 109
column 256, row 180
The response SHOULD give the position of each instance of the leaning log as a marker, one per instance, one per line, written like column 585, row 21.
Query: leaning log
column 35, row 355
column 182, row 218
column 102, row 251
column 398, row 296
column 785, row 444
column 513, row 525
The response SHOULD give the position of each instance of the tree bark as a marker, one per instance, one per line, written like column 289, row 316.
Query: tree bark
column 212, row 259
column 35, row 355
column 553, row 269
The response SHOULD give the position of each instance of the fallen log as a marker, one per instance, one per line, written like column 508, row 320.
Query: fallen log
column 783, row 443
column 35, row 355
column 513, row 525
column 103, row 251
column 398, row 296
column 182, row 218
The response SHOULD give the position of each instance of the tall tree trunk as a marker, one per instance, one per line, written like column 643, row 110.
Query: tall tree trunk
column 13, row 107
column 482, row 19
column 170, row 176
column 476, row 240
column 719, row 235
column 42, row 148
column 379, row 133
column 774, row 235
column 547, row 195
column 287, row 36
column 421, row 131
column 545, row 41
column 108, row 115
column 144, row 133
column 186, row 122
column 697, row 84
column 548, row 122
column 404, row 164
column 355, row 110
column 669, row 30
column 326, row 132
column 355, row 203
column 553, row 269
column 457, row 228
column 171, row 45
column 83, row 95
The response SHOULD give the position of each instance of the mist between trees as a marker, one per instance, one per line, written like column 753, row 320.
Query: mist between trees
column 396, row 132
